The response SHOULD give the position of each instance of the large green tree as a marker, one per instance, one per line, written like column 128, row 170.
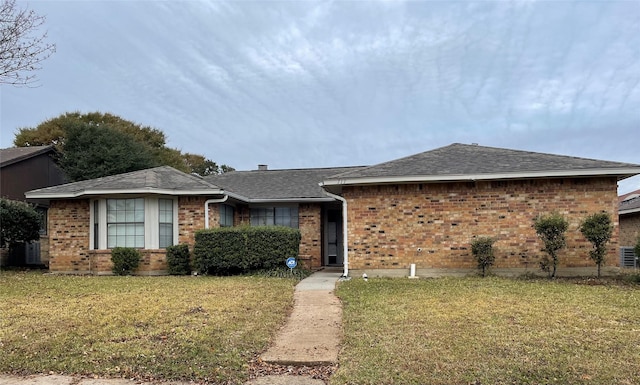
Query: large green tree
column 93, row 152
column 144, row 139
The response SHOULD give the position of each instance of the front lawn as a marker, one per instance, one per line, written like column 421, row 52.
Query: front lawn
column 489, row 331
column 201, row 328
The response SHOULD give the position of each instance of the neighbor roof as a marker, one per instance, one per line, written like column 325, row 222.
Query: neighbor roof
column 472, row 162
column 160, row 180
column 294, row 185
column 16, row 154
column 629, row 203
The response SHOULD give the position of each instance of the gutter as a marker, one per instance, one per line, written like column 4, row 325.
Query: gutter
column 206, row 208
column 345, row 226
column 621, row 173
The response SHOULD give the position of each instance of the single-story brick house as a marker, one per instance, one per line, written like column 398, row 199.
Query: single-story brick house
column 423, row 209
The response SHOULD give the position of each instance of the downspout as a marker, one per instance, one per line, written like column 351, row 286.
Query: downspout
column 206, row 208
column 345, row 244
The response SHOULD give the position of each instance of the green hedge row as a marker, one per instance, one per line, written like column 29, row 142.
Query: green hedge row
column 237, row 250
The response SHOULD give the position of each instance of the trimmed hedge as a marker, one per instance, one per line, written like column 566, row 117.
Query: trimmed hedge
column 125, row 260
column 238, row 250
column 178, row 260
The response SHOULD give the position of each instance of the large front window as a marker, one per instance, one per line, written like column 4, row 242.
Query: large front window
column 279, row 216
column 140, row 222
column 125, row 223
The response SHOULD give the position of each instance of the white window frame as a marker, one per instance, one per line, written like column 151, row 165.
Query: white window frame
column 151, row 221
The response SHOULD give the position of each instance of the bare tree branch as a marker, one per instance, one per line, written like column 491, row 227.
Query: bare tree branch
column 21, row 48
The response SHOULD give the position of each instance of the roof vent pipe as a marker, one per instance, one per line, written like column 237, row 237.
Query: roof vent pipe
column 263, row 167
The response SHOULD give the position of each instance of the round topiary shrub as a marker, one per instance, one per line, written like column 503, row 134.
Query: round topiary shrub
column 125, row 260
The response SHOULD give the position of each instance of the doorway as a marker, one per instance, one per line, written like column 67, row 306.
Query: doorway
column 333, row 238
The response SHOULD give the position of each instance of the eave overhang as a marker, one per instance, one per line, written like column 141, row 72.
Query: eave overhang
column 629, row 211
column 619, row 173
column 35, row 194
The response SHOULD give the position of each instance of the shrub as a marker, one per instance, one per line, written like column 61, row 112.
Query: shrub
column 636, row 249
column 597, row 228
column 482, row 250
column 19, row 223
column 551, row 229
column 237, row 250
column 125, row 260
column 178, row 260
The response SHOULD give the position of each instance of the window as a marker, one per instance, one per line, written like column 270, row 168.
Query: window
column 226, row 216
column 43, row 219
column 165, row 220
column 125, row 223
column 280, row 216
column 96, row 224
column 146, row 222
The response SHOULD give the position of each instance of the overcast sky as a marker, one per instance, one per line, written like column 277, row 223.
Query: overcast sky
column 316, row 84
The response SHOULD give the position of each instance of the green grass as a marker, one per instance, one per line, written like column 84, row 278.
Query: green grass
column 202, row 328
column 489, row 331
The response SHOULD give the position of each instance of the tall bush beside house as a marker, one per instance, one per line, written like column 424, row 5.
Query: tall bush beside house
column 19, row 223
column 551, row 229
column 178, row 260
column 482, row 250
column 597, row 228
column 125, row 260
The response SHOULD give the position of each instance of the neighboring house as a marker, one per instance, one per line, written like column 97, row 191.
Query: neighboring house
column 629, row 217
column 23, row 169
column 424, row 210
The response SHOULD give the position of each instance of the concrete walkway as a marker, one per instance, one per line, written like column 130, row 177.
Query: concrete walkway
column 311, row 337
column 313, row 332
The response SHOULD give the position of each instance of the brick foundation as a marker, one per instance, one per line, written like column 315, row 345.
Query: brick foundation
column 389, row 224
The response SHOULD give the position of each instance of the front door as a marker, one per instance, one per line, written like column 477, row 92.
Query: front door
column 333, row 238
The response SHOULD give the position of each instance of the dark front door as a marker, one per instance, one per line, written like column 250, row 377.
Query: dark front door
column 333, row 238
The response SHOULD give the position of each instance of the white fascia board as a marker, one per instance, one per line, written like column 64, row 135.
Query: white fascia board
column 80, row 193
column 629, row 211
column 277, row 200
column 291, row 200
column 626, row 172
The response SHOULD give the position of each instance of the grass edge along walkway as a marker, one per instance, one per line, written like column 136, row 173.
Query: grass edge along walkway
column 170, row 328
column 488, row 331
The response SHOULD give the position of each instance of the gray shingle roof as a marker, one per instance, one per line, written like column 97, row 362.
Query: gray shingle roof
column 292, row 184
column 465, row 160
column 15, row 154
column 629, row 203
column 159, row 180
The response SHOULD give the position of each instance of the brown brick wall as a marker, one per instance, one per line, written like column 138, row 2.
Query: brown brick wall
column 309, row 217
column 191, row 218
column 387, row 224
column 69, row 223
column 69, row 236
column 629, row 229
column 154, row 262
